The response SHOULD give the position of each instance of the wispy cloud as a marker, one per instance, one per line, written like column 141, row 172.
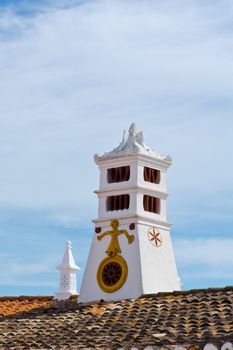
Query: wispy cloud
column 17, row 271
column 206, row 260
column 68, row 218
column 74, row 74
column 33, row 246
column 78, row 80
column 212, row 252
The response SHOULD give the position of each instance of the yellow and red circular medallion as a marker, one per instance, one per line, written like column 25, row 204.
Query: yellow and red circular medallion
column 112, row 273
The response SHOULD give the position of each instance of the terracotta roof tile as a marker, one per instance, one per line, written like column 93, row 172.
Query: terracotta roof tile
column 190, row 318
column 13, row 305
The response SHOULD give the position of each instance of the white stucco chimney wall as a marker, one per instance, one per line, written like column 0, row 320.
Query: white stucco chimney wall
column 149, row 258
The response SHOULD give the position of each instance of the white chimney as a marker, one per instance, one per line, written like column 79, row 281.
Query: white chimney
column 68, row 270
column 132, row 252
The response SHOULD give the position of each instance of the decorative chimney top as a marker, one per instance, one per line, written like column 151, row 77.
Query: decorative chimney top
column 132, row 143
column 68, row 269
column 68, row 262
column 131, row 252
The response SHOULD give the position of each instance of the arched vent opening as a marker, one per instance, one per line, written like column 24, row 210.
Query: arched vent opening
column 118, row 202
column 119, row 174
column 152, row 175
column 151, row 204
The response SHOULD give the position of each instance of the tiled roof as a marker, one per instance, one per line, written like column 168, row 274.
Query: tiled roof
column 186, row 318
column 10, row 306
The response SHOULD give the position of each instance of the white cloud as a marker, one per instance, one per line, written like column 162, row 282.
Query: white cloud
column 213, row 252
column 25, row 273
column 68, row 219
column 31, row 250
column 208, row 259
column 75, row 74
column 72, row 77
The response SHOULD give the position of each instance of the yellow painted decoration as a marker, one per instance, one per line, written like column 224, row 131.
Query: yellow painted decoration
column 113, row 270
column 112, row 273
column 114, row 247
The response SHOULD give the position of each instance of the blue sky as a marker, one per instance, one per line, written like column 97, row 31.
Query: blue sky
column 74, row 74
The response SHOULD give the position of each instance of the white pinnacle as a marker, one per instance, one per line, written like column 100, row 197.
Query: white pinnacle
column 68, row 269
column 68, row 262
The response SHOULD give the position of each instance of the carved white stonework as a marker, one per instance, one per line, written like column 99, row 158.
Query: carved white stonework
column 210, row 346
column 132, row 143
column 178, row 347
column 68, row 270
column 149, row 271
column 227, row 346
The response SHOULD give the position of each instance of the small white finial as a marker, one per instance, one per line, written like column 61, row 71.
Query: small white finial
column 68, row 270
column 125, row 137
column 133, row 129
column 68, row 244
column 140, row 138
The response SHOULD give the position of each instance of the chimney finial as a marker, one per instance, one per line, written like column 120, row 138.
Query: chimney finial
column 68, row 270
